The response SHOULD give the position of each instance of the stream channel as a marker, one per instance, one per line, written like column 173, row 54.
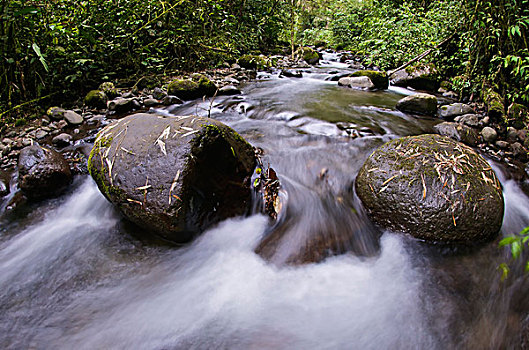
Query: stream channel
column 75, row 275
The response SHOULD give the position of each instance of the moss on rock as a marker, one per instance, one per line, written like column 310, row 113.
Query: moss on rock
column 184, row 89
column 96, row 99
column 379, row 79
column 433, row 188
column 252, row 62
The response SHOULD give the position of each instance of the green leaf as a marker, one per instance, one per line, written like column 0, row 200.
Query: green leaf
column 504, row 271
column 507, row 241
column 516, row 249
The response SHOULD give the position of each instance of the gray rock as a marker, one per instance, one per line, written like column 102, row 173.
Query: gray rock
column 42, row 172
column 290, row 73
column 122, row 105
column 471, row 120
column 73, row 118
column 419, row 103
column 449, row 112
column 519, row 151
column 450, row 94
column 458, row 132
column 171, row 100
column 62, row 124
column 55, row 113
column 229, row 90
column 232, row 80
column 158, row 93
column 502, row 144
column 489, row 134
column 420, row 77
column 40, row 134
column 362, row 82
column 4, row 188
column 62, row 140
column 174, row 176
column 512, row 134
column 149, row 102
column 432, row 188
column 485, row 120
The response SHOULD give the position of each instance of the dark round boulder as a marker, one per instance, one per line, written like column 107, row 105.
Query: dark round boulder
column 433, row 188
column 43, row 172
column 174, row 176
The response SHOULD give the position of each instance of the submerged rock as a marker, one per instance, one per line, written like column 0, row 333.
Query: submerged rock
column 420, row 103
column 174, row 176
column 42, row 172
column 432, row 188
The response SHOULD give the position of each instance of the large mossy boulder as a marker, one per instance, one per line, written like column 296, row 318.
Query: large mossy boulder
column 42, row 172
column 379, row 79
column 424, row 104
column 308, row 54
column 433, row 188
column 174, row 176
column 96, row 99
column 418, row 77
column 189, row 89
column 252, row 62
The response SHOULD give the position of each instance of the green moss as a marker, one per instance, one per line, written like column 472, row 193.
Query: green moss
column 495, row 107
column 109, row 89
column 96, row 98
column 252, row 62
column 379, row 79
column 206, row 86
column 20, row 122
column 185, row 89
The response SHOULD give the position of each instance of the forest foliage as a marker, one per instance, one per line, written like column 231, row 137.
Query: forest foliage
column 68, row 47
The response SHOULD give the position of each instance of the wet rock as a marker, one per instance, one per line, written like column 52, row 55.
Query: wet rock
column 150, row 102
column 158, row 93
column 62, row 140
column 418, row 77
column 55, row 113
column 171, row 100
column 432, row 188
column 512, row 134
column 229, row 90
column 251, row 62
column 122, row 105
column 4, row 185
column 471, row 120
column 96, row 99
column 494, row 103
column 458, row 132
column 489, row 134
column 379, row 79
column 42, row 172
column 205, row 85
column 519, row 151
column 174, row 176
column 449, row 112
column 420, row 103
column 308, row 54
column 357, row 83
column 73, row 118
column 290, row 73
column 231, row 80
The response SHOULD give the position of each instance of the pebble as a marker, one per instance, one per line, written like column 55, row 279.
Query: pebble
column 502, row 144
column 73, row 118
column 62, row 140
column 512, row 134
column 149, row 102
column 40, row 134
column 171, row 100
column 158, row 93
column 489, row 134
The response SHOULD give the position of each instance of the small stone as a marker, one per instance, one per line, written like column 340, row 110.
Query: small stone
column 502, row 144
column 489, row 134
column 485, row 120
column 26, row 142
column 40, row 134
column 55, row 113
column 158, row 93
column 232, row 80
column 235, row 66
column 4, row 188
column 76, row 131
column 450, row 94
column 419, row 103
column 512, row 134
column 73, row 118
column 522, row 135
column 458, row 132
column 229, row 90
column 127, row 94
column 171, row 100
column 62, row 140
column 291, row 73
column 149, row 102
column 62, row 124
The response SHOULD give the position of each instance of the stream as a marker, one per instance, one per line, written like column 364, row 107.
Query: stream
column 75, row 275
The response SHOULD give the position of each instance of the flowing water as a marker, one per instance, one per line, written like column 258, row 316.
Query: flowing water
column 75, row 275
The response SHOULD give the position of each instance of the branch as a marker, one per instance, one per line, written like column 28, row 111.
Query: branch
column 27, row 103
